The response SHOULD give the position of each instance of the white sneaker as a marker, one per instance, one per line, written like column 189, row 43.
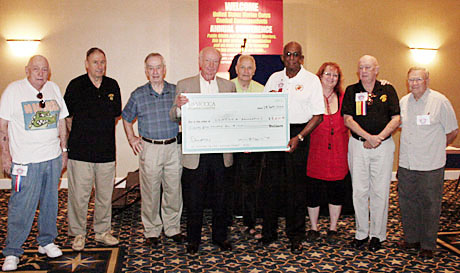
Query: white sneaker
column 106, row 238
column 78, row 243
column 51, row 250
column 10, row 263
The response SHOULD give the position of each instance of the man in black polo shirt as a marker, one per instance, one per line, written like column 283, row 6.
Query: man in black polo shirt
column 94, row 103
column 371, row 111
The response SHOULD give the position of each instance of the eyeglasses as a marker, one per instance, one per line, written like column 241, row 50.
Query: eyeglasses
column 329, row 74
column 417, row 80
column 42, row 102
column 295, row 54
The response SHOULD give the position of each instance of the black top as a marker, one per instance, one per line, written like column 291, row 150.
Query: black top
column 94, row 110
column 384, row 105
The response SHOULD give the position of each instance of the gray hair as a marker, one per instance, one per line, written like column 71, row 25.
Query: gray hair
column 417, row 68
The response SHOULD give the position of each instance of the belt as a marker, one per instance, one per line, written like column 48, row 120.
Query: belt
column 161, row 142
column 359, row 138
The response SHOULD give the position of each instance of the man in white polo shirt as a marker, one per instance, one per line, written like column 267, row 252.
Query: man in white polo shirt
column 306, row 109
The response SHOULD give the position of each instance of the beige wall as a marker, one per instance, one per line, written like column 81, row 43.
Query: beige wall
column 329, row 30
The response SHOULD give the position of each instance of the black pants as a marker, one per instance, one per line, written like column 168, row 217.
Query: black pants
column 247, row 172
column 209, row 176
column 286, row 171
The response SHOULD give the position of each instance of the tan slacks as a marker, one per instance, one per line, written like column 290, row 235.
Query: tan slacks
column 160, row 167
column 82, row 177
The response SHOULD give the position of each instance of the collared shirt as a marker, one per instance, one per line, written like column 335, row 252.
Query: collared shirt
column 385, row 104
column 305, row 94
column 254, row 87
column 93, row 111
column 208, row 87
column 152, row 111
column 424, row 126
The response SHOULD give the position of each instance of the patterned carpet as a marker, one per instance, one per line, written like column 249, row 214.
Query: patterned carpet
column 247, row 256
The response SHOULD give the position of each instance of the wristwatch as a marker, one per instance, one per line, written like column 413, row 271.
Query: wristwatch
column 300, row 136
column 65, row 150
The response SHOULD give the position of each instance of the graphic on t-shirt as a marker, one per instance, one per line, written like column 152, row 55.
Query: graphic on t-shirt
column 37, row 118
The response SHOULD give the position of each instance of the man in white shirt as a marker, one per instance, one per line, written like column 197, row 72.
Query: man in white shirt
column 306, row 109
column 33, row 139
column 428, row 125
column 203, row 169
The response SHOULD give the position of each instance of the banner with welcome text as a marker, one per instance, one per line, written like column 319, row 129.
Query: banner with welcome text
column 233, row 27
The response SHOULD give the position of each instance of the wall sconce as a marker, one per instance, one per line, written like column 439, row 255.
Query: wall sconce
column 23, row 47
column 423, row 55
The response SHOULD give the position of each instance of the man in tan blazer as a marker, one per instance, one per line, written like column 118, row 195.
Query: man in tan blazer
column 201, row 169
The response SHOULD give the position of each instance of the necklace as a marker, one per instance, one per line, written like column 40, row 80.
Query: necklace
column 328, row 108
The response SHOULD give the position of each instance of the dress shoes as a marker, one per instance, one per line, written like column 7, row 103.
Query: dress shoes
column 296, row 247
column 152, row 241
column 178, row 238
column 224, row 245
column 375, row 244
column 426, row 253
column 359, row 244
column 192, row 248
column 266, row 241
column 406, row 245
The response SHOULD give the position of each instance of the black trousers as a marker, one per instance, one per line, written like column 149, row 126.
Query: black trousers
column 247, row 172
column 286, row 171
column 205, row 182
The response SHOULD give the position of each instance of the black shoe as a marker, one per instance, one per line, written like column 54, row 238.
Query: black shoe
column 359, row 244
column 375, row 244
column 178, row 238
column 426, row 253
column 296, row 247
column 405, row 245
column 224, row 245
column 332, row 236
column 152, row 241
column 192, row 248
column 265, row 241
column 313, row 235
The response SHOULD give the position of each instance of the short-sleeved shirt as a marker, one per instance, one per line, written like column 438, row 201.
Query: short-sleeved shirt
column 93, row 111
column 152, row 111
column 424, row 126
column 254, row 87
column 384, row 105
column 305, row 94
column 33, row 131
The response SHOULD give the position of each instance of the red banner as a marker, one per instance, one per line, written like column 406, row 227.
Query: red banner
column 235, row 27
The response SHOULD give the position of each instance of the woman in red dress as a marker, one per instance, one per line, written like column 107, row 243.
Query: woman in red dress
column 327, row 159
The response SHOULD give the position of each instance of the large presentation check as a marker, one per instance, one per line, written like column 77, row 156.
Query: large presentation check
column 235, row 122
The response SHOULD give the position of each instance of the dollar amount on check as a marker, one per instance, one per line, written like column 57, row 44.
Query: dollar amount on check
column 235, row 122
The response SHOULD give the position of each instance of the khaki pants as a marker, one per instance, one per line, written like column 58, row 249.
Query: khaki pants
column 371, row 177
column 82, row 177
column 160, row 167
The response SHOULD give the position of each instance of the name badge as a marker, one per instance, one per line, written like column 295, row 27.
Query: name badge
column 423, row 120
column 20, row 171
column 361, row 96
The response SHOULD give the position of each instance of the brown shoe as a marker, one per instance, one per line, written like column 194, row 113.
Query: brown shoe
column 426, row 253
column 406, row 245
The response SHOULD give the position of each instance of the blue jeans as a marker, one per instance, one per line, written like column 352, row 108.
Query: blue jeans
column 39, row 186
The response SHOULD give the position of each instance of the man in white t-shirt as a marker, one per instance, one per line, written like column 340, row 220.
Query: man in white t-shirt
column 33, row 142
column 306, row 109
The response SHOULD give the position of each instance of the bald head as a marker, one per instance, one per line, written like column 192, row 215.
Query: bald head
column 368, row 69
column 209, row 61
column 292, row 58
column 37, row 71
